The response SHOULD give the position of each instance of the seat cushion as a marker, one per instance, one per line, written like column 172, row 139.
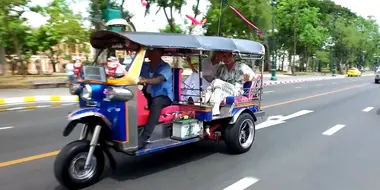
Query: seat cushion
column 170, row 109
column 167, row 115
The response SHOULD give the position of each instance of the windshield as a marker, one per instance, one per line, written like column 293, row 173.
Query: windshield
column 123, row 57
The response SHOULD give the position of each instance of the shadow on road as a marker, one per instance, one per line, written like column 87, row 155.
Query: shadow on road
column 130, row 168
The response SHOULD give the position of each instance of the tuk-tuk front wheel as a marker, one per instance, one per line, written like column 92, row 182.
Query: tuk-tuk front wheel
column 69, row 165
column 240, row 136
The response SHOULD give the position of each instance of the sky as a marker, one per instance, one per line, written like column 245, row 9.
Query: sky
column 153, row 22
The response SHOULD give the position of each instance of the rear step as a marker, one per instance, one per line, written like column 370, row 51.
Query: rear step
column 162, row 144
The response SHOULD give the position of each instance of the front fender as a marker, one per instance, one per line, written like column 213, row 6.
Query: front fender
column 82, row 115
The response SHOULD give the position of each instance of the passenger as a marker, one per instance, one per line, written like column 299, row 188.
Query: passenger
column 209, row 67
column 156, row 76
column 230, row 78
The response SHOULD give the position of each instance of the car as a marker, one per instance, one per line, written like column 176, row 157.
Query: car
column 354, row 72
column 377, row 76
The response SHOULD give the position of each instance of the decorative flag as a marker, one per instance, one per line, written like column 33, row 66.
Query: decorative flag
column 193, row 20
column 258, row 32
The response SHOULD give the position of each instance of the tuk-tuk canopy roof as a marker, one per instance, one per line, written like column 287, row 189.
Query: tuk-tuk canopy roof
column 105, row 39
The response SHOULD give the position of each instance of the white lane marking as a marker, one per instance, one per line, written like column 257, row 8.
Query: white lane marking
column 367, row 109
column 24, row 110
column 43, row 106
column 16, row 108
column 333, row 130
column 242, row 184
column 268, row 92
column 297, row 114
column 9, row 127
column 268, row 123
column 68, row 104
column 333, row 83
column 278, row 119
column 298, row 87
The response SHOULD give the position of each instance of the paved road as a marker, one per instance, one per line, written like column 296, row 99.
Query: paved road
column 330, row 143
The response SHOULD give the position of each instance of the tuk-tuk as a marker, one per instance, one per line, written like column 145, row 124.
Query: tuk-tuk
column 113, row 110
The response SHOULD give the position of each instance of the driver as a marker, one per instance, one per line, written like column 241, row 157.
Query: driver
column 156, row 76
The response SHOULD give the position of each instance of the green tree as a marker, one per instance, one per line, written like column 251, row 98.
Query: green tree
column 63, row 26
column 13, row 31
column 168, row 7
column 231, row 25
column 258, row 12
column 168, row 29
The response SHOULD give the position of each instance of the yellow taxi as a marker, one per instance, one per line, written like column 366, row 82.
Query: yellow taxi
column 354, row 72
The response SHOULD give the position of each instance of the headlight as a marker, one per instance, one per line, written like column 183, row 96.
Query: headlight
column 87, row 92
column 75, row 89
column 119, row 94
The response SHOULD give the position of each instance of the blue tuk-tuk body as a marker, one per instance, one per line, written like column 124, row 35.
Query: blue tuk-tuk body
column 113, row 111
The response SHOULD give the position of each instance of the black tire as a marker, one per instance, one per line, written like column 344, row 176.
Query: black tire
column 65, row 158
column 376, row 81
column 233, row 132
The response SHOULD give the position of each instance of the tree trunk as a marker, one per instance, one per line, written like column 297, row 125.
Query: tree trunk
column 20, row 57
column 53, row 63
column 3, row 62
column 282, row 61
column 266, row 58
column 17, row 47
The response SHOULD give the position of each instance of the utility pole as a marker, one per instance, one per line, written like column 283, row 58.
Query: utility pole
column 220, row 17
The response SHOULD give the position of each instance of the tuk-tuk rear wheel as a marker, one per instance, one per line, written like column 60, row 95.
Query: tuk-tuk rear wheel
column 70, row 160
column 240, row 136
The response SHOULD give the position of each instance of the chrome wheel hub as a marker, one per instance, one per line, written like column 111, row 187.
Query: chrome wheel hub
column 247, row 133
column 77, row 168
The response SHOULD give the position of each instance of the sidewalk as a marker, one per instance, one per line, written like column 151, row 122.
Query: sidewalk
column 18, row 96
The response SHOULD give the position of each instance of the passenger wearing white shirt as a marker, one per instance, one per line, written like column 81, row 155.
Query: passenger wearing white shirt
column 191, row 84
column 209, row 66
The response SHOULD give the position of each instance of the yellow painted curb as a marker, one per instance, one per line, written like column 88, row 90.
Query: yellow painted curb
column 55, row 98
column 29, row 99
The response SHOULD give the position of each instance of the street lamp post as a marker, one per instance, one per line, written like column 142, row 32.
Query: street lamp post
column 273, row 62
column 334, row 69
